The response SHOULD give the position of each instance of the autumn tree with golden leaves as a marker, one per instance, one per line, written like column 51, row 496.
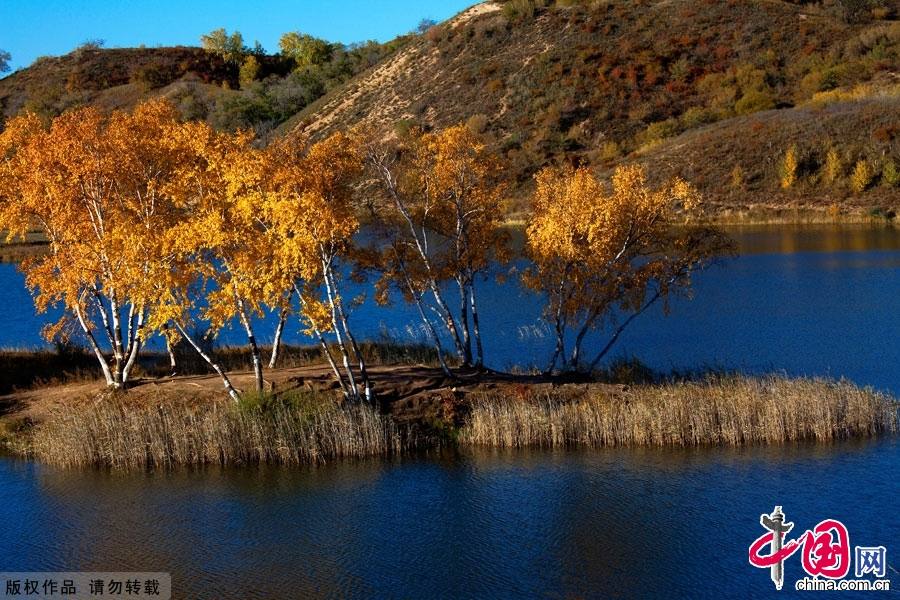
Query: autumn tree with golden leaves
column 223, row 240
column 154, row 224
column 94, row 185
column 446, row 203
column 605, row 255
column 310, row 215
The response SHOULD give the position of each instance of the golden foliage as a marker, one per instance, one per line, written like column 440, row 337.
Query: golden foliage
column 787, row 171
column 862, row 176
column 309, row 212
column 890, row 174
column 595, row 249
column 443, row 220
column 96, row 186
column 738, row 178
column 834, row 168
column 456, row 180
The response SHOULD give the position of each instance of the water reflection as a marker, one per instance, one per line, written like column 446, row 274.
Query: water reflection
column 451, row 524
column 791, row 239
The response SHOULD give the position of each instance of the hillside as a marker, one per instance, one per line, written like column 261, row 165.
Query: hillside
column 736, row 163
column 111, row 78
column 203, row 84
column 716, row 91
column 698, row 88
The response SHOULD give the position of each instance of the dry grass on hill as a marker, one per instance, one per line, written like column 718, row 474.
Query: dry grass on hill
column 605, row 82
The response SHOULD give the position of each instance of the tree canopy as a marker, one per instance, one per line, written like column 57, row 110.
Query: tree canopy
column 604, row 255
column 304, row 49
column 156, row 226
column 229, row 46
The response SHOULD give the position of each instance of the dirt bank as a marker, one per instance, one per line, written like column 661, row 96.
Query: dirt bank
column 408, row 393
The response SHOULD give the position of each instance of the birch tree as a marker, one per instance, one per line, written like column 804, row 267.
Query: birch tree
column 604, row 256
column 444, row 189
column 223, row 239
column 311, row 217
column 92, row 184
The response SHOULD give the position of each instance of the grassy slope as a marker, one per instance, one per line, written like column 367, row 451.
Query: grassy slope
column 708, row 157
column 569, row 82
column 113, row 78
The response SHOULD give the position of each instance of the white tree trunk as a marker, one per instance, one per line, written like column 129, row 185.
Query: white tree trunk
column 173, row 363
column 324, row 345
column 254, row 347
column 354, row 390
column 215, row 366
column 435, row 339
column 464, row 321
column 476, row 329
column 363, row 373
column 118, row 354
column 422, row 248
column 134, row 344
column 276, row 343
column 92, row 341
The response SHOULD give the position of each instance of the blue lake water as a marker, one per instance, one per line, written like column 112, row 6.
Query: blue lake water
column 812, row 300
column 621, row 523
column 611, row 523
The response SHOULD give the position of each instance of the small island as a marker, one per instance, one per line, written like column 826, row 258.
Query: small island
column 160, row 228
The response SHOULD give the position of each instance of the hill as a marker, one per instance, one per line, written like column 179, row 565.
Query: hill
column 203, row 84
column 715, row 91
column 112, row 78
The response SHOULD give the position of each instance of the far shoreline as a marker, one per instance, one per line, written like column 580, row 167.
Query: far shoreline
column 13, row 252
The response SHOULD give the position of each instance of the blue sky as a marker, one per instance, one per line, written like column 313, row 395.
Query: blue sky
column 31, row 28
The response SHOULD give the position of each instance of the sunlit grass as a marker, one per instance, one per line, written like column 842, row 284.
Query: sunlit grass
column 301, row 429
column 863, row 91
column 717, row 411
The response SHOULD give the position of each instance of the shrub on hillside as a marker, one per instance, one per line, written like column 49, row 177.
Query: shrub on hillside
column 787, row 171
column 517, row 10
column 862, row 176
column 696, row 116
column 738, row 178
column 657, row 132
column 834, row 168
column 154, row 75
column 890, row 174
column 609, row 151
column 249, row 71
column 754, row 101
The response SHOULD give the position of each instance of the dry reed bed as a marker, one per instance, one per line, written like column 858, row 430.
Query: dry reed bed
column 717, row 411
column 111, row 433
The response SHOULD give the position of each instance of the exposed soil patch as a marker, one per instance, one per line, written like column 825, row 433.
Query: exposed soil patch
column 408, row 393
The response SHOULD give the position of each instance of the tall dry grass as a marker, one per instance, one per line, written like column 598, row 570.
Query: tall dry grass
column 112, row 433
column 721, row 410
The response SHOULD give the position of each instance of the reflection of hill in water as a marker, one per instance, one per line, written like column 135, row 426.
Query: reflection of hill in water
column 790, row 239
